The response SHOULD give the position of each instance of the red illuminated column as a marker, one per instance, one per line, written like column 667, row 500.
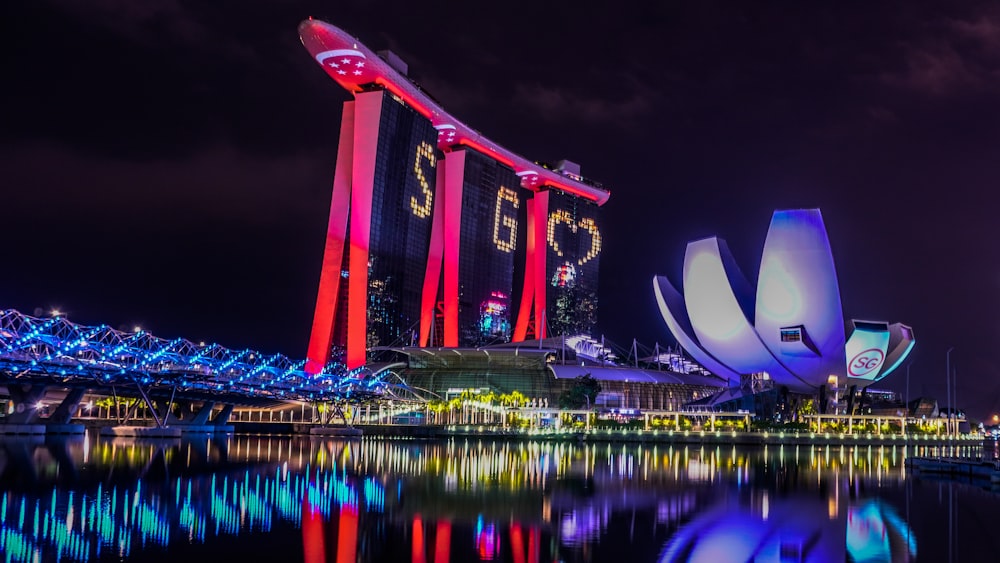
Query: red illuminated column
column 524, row 308
column 368, row 111
column 333, row 252
column 435, row 255
column 454, row 176
column 534, row 270
column 540, row 249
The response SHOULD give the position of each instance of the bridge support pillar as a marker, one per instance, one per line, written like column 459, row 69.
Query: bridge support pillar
column 68, row 408
column 25, row 397
column 224, row 414
column 199, row 418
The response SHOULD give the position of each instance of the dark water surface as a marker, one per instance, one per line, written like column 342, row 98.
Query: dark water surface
column 250, row 498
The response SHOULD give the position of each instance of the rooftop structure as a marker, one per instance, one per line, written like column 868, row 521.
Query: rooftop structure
column 356, row 68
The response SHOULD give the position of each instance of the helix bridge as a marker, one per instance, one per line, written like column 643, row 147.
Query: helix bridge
column 56, row 351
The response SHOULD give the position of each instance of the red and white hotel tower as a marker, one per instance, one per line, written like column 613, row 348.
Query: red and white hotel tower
column 437, row 235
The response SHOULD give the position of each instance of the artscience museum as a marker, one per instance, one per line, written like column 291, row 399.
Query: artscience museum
column 789, row 329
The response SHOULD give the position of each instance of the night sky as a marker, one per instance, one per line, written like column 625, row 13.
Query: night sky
column 169, row 164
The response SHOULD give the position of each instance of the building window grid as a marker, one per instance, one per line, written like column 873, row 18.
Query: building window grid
column 398, row 242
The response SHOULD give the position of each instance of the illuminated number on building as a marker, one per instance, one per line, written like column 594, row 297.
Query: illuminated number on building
column 556, row 217
column 506, row 244
column 588, row 224
column 424, row 152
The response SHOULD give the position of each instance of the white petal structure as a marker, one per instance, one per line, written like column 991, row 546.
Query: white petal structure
column 718, row 298
column 671, row 304
column 797, row 289
column 791, row 326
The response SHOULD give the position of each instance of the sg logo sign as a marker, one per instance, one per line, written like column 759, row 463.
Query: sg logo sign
column 865, row 362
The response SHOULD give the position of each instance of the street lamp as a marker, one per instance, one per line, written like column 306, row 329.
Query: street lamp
column 947, row 384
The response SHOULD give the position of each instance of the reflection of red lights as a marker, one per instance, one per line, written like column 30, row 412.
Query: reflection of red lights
column 516, row 543
column 313, row 547
column 442, row 542
column 347, row 534
column 417, row 551
column 487, row 543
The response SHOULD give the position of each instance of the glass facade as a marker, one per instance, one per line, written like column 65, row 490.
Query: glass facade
column 574, row 244
column 402, row 205
column 492, row 228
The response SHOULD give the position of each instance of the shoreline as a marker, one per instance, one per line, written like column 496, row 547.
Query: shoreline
column 624, row 435
column 754, row 438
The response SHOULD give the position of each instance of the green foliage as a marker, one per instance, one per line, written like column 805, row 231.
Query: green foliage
column 807, row 407
column 634, row 424
column 513, row 399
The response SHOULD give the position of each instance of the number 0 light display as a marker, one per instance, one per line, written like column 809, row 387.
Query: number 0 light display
column 437, row 235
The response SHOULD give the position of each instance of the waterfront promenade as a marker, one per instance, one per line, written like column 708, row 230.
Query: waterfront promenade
column 624, row 435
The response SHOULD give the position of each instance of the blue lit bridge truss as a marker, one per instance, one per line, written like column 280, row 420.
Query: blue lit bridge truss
column 55, row 350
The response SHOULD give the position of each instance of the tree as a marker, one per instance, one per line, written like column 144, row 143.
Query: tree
column 583, row 393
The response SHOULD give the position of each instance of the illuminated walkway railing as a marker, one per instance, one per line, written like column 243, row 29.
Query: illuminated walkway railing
column 54, row 347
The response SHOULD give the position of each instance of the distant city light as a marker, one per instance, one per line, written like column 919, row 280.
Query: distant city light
column 137, row 328
column 55, row 313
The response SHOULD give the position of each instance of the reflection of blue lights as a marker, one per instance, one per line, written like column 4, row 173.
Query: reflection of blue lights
column 374, row 495
column 70, row 526
column 871, row 528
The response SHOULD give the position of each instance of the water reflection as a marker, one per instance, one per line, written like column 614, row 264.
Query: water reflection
column 327, row 500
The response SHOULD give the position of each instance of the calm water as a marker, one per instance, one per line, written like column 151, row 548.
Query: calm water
column 249, row 498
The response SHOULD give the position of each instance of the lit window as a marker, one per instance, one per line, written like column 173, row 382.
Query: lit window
column 791, row 335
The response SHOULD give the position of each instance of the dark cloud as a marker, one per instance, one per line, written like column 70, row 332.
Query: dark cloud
column 216, row 183
column 950, row 55
column 554, row 104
